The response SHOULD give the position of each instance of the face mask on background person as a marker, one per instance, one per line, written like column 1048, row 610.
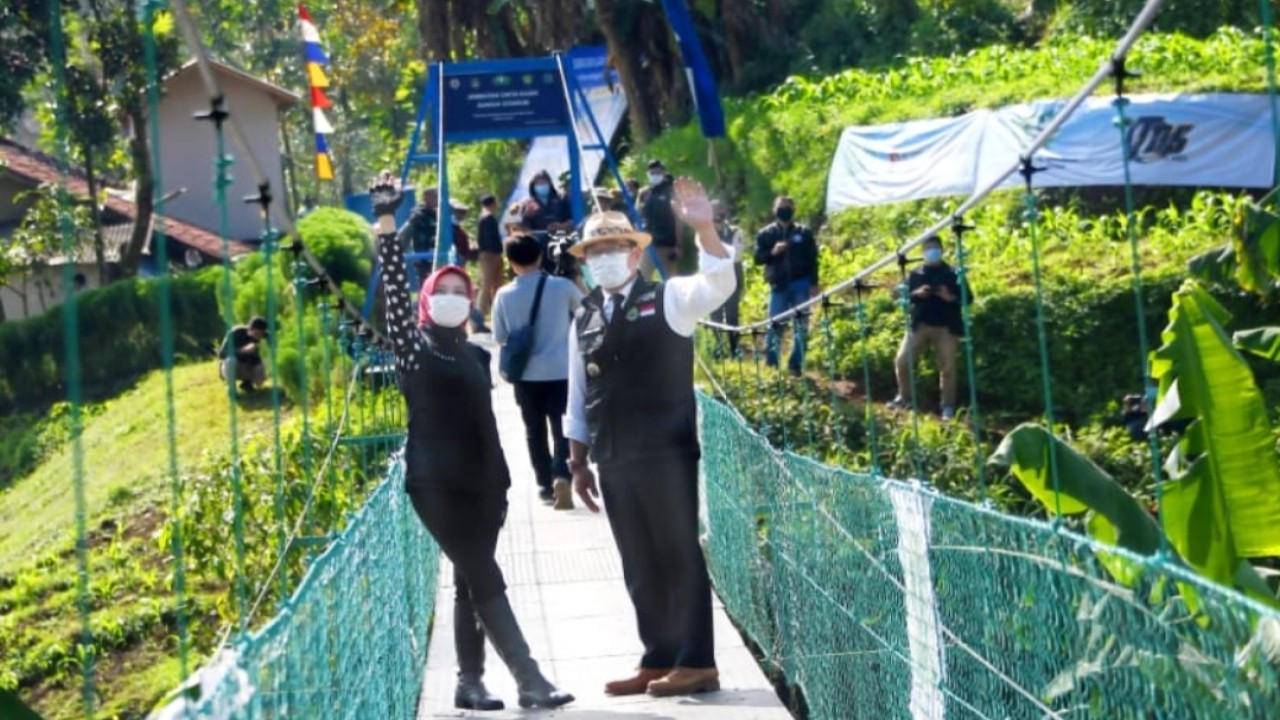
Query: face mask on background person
column 449, row 311
column 656, row 178
column 542, row 190
column 932, row 256
column 610, row 271
column 785, row 213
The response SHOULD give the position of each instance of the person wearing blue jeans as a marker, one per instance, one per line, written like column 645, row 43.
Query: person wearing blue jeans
column 789, row 254
column 781, row 300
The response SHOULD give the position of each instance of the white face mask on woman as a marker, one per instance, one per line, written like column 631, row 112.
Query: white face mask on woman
column 449, row 311
column 610, row 271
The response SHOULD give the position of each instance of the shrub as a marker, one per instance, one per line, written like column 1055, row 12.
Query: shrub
column 118, row 335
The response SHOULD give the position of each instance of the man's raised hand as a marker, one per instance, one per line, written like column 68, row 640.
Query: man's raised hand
column 691, row 203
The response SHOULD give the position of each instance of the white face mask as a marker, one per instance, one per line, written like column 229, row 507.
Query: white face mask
column 610, row 271
column 449, row 310
column 655, row 178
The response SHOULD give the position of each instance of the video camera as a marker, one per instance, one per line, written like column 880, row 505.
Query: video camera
column 556, row 259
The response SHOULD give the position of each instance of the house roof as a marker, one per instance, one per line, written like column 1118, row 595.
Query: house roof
column 39, row 168
column 283, row 98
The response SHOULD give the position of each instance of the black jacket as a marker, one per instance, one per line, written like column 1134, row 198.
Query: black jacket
column 555, row 209
column 933, row 310
column 453, row 434
column 420, row 228
column 659, row 218
column 799, row 262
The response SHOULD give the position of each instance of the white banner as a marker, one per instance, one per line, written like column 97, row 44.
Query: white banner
column 901, row 161
column 1216, row 140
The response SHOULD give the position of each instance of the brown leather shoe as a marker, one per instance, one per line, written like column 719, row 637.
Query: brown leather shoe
column 637, row 683
column 686, row 681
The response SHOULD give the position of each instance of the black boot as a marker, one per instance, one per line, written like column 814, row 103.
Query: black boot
column 468, row 639
column 500, row 624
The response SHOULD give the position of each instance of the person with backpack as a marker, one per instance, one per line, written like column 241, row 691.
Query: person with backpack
column 531, row 320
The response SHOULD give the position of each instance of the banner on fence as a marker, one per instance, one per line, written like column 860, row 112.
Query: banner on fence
column 1211, row 140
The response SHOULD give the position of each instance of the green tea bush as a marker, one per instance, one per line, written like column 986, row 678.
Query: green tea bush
column 782, row 141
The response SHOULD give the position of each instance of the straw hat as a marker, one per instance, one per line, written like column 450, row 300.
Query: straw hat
column 605, row 226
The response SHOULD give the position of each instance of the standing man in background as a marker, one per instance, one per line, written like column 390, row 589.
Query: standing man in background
column 789, row 254
column 489, row 244
column 542, row 390
column 936, row 322
column 660, row 221
column 421, row 229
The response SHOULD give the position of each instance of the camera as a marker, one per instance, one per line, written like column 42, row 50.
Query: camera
column 556, row 257
column 1134, row 403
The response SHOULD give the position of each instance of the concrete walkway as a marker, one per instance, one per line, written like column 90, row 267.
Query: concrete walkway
column 565, row 582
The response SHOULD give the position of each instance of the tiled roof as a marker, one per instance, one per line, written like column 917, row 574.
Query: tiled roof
column 41, row 169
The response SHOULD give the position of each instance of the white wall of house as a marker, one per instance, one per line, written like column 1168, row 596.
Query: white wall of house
column 187, row 150
column 43, row 290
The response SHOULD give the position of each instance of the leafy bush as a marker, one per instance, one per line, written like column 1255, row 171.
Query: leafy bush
column 118, row 335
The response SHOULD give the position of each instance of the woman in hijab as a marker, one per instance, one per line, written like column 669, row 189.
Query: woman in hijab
column 455, row 472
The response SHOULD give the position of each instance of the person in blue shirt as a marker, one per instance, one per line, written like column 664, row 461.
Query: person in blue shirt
column 542, row 391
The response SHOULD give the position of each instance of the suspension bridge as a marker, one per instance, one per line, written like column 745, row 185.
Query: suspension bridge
column 865, row 595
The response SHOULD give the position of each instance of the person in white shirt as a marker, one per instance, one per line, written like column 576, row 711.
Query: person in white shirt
column 632, row 411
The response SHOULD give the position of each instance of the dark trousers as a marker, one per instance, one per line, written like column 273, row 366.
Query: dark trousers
column 542, row 405
column 465, row 526
column 727, row 314
column 652, row 505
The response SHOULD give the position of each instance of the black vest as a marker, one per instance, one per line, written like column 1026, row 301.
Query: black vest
column 639, row 393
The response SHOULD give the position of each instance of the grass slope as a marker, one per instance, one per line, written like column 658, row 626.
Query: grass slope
column 125, row 458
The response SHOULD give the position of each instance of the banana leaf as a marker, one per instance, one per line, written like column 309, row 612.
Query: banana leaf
column 1257, row 248
column 1263, row 342
column 1223, row 501
column 1116, row 516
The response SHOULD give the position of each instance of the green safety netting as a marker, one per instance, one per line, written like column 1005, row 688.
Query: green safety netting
column 878, row 598
column 882, row 599
column 351, row 641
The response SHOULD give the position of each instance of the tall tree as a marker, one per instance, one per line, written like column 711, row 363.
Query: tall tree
column 117, row 36
column 24, row 37
column 643, row 52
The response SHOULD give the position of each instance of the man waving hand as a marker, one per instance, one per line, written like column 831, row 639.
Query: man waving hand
column 632, row 410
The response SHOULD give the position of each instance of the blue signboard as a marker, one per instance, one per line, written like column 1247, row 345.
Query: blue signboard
column 501, row 103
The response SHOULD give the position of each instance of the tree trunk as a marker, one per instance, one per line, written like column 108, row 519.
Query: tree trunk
column 457, row 30
column 668, row 87
column 739, row 19
column 348, row 178
column 511, row 41
column 433, row 29
column 144, row 189
column 625, row 56
column 95, row 217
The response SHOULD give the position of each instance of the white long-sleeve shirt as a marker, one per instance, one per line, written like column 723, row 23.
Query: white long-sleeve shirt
column 686, row 300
